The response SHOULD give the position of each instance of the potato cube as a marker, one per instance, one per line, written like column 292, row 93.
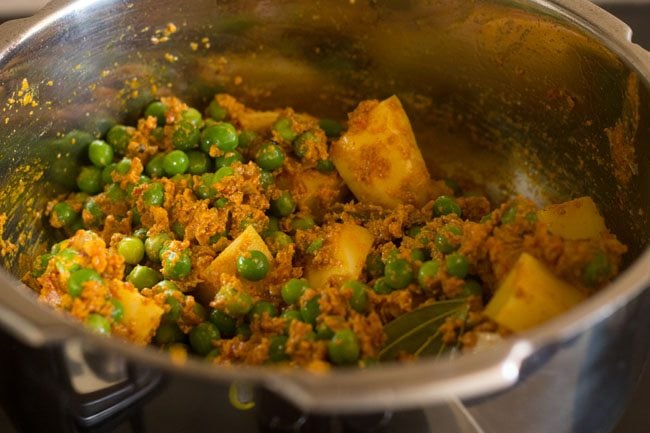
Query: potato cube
column 141, row 315
column 575, row 219
column 226, row 262
column 378, row 157
column 346, row 250
column 312, row 190
column 529, row 295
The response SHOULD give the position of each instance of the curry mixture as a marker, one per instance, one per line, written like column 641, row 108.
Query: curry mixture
column 274, row 237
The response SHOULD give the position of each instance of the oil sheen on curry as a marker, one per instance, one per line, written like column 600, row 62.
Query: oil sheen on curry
column 274, row 237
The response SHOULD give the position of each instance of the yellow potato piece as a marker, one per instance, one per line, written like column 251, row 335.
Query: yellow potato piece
column 141, row 315
column 346, row 249
column 575, row 219
column 378, row 157
column 529, row 295
column 226, row 262
column 313, row 190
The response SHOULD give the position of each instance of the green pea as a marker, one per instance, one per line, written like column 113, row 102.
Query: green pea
column 236, row 303
column 597, row 270
column 442, row 241
column 216, row 111
column 270, row 156
column 291, row 315
column 158, row 134
column 89, row 179
column 98, row 324
column 509, row 215
column 175, row 309
column 324, row 332
column 79, row 277
column 40, row 264
column 64, row 214
column 314, row 246
column 428, row 272
column 244, row 331
column 246, row 138
column 302, row 143
column 398, row 273
column 381, row 286
column 202, row 336
column 132, row 249
column 199, row 162
column 325, row 166
column 253, row 265
column 283, row 127
column 176, row 265
column 141, row 233
column 220, row 203
column 273, row 225
column 66, row 261
column 123, row 166
column 293, row 290
column 157, row 109
column 100, row 153
column 266, row 179
column 185, row 136
column 94, row 210
column 200, row 311
column 445, row 205
column 193, row 116
column 472, row 288
column 359, row 298
column 143, row 277
column 330, row 127
column 74, row 227
column 262, row 307
column 176, row 162
column 277, row 348
column 310, row 310
column 228, row 159
column 304, row 223
column 107, row 173
column 118, row 310
column 457, row 265
column 374, row 265
column 154, row 167
column 284, row 205
column 154, row 244
column 154, row 194
column 223, row 135
column 166, row 286
column 118, row 137
column 204, row 192
column 222, row 173
column 226, row 325
column 168, row 333
column 278, row 241
column 419, row 254
column 343, row 348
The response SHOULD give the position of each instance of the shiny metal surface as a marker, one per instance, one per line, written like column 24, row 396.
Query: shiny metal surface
column 530, row 87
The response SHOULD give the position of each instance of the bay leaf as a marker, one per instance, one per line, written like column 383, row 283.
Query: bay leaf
column 418, row 332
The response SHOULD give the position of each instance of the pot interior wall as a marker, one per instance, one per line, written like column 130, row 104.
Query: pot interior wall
column 500, row 94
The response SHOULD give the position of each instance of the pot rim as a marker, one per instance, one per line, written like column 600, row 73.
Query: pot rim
column 353, row 389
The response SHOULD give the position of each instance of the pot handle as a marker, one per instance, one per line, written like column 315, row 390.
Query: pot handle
column 609, row 25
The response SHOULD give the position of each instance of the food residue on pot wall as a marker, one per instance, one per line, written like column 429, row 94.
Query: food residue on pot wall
column 621, row 135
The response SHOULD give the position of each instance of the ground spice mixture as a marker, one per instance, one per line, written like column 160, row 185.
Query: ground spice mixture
column 274, row 237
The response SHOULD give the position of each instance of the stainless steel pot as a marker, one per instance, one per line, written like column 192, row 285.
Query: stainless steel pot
column 545, row 98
